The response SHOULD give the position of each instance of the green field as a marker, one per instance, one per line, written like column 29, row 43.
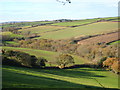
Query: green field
column 10, row 34
column 19, row 77
column 116, row 42
column 74, row 23
column 91, row 29
column 22, row 24
column 41, row 29
column 10, row 42
column 50, row 56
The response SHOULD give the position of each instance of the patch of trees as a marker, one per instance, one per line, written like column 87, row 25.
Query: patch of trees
column 10, row 29
column 93, row 52
column 96, row 53
column 64, row 59
column 49, row 45
column 112, row 64
column 17, row 58
column 10, row 38
column 62, row 20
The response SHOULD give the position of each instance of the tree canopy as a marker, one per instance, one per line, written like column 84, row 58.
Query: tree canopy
column 64, row 59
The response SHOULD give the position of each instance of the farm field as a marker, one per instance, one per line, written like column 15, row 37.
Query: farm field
column 22, row 24
column 49, row 55
column 42, row 29
column 86, row 21
column 115, row 42
column 20, row 77
column 103, row 38
column 91, row 29
column 10, row 34
column 74, row 23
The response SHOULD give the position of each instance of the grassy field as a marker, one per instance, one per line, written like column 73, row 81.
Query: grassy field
column 91, row 29
column 102, row 38
column 10, row 34
column 74, row 23
column 22, row 24
column 41, row 29
column 19, row 77
column 116, row 42
column 10, row 42
column 50, row 56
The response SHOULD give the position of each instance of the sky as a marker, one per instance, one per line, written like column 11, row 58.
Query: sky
column 37, row 10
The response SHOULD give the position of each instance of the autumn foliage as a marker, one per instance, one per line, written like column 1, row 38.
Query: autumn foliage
column 112, row 64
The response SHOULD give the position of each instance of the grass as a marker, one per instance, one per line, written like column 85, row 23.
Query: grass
column 19, row 77
column 116, row 42
column 11, row 42
column 96, row 28
column 49, row 55
column 74, row 23
column 22, row 24
column 10, row 34
column 41, row 29
column 112, row 18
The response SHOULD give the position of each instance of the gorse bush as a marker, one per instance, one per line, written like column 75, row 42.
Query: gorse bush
column 112, row 64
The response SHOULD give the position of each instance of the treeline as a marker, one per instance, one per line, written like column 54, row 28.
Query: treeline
column 17, row 58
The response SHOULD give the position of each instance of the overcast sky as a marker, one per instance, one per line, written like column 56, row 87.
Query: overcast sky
column 36, row 10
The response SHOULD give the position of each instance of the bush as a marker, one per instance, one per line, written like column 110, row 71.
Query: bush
column 41, row 62
column 64, row 59
column 11, row 62
column 20, row 57
column 112, row 64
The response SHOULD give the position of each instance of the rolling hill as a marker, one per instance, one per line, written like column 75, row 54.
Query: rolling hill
column 86, row 78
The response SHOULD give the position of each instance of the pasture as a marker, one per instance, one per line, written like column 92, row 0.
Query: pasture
column 22, row 24
column 41, row 29
column 49, row 55
column 10, row 34
column 77, row 22
column 87, row 78
column 91, row 29
column 102, row 38
column 115, row 42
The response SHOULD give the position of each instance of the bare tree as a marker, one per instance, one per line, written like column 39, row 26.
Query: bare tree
column 64, row 2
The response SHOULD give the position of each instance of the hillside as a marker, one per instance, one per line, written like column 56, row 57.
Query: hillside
column 38, row 49
column 50, row 56
column 18, row 77
column 102, row 38
column 91, row 29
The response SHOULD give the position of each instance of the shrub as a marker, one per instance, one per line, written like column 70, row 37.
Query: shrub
column 64, row 59
column 116, row 67
column 112, row 64
column 41, row 62
column 20, row 57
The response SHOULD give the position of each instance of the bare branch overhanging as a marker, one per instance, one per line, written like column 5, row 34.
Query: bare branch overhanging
column 67, row 1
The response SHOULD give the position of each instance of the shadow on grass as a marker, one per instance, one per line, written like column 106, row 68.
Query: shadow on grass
column 81, row 72
column 29, row 81
column 72, row 73
column 79, row 66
